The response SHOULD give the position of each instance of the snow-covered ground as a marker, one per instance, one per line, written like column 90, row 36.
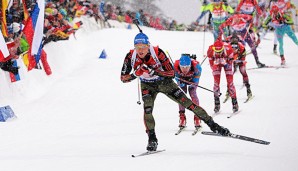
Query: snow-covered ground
column 84, row 118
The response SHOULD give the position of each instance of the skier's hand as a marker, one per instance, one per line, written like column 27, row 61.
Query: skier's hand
column 127, row 78
column 227, row 66
column 181, row 84
column 237, row 62
column 138, row 71
column 192, row 86
column 147, row 70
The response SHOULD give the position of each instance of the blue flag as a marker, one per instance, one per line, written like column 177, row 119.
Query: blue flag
column 103, row 54
column 5, row 113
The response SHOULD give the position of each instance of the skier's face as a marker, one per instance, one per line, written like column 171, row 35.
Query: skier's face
column 236, row 20
column 185, row 69
column 235, row 47
column 142, row 50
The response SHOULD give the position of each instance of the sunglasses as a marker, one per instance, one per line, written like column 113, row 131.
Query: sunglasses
column 234, row 46
column 217, row 51
column 185, row 67
column 141, row 46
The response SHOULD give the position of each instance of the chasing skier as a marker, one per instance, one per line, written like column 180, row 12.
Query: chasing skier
column 242, row 23
column 220, row 56
column 187, row 75
column 281, row 22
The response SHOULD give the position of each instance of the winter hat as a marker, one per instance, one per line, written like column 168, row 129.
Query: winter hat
column 16, row 27
column 141, row 38
column 185, row 60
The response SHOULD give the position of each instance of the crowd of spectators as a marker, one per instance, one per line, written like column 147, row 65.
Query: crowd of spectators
column 59, row 15
column 59, row 23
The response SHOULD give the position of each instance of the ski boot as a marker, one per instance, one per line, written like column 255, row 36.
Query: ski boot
column 152, row 142
column 274, row 49
column 260, row 65
column 217, row 128
column 283, row 60
column 249, row 93
column 182, row 120
column 197, row 121
column 235, row 105
column 217, row 105
column 248, row 90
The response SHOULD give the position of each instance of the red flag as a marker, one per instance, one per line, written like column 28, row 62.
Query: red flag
column 28, row 32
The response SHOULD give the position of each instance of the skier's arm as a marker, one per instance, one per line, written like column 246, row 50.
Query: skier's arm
column 230, row 9
column 204, row 9
column 197, row 74
column 210, row 56
column 126, row 69
column 168, row 70
column 259, row 11
column 267, row 21
column 239, row 6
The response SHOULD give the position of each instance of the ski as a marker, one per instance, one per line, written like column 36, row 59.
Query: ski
column 180, row 130
column 249, row 99
column 267, row 66
column 233, row 114
column 281, row 66
column 148, row 153
column 198, row 129
column 236, row 136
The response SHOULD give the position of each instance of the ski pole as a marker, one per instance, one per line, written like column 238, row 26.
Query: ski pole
column 170, row 58
column 139, row 101
column 204, row 41
column 244, row 37
column 196, row 85
column 135, row 21
column 204, row 59
column 205, row 56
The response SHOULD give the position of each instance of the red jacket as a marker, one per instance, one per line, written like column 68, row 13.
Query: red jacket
column 226, row 57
